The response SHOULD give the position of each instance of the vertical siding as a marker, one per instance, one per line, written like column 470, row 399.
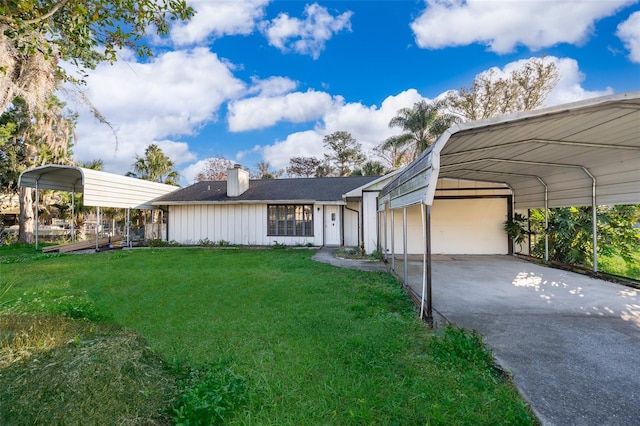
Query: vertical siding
column 244, row 224
column 370, row 220
column 350, row 224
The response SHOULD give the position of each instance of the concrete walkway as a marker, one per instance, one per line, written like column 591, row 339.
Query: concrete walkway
column 328, row 255
column 571, row 342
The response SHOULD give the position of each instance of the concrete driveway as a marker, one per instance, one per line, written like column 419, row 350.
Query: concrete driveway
column 571, row 342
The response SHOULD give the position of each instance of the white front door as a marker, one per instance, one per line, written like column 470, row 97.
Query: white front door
column 331, row 225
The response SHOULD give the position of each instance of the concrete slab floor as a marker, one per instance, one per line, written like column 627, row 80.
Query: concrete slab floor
column 571, row 342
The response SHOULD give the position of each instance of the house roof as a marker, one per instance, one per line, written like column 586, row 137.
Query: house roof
column 562, row 155
column 299, row 190
column 99, row 189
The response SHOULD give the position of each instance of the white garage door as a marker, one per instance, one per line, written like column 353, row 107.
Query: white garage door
column 469, row 226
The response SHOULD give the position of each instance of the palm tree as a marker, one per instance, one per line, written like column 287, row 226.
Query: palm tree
column 154, row 166
column 422, row 124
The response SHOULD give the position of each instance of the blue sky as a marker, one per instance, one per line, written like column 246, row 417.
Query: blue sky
column 267, row 80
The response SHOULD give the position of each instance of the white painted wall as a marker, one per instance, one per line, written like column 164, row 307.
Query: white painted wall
column 244, row 224
column 351, row 237
column 370, row 220
column 458, row 226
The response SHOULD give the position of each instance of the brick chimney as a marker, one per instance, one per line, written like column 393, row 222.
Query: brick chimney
column 237, row 181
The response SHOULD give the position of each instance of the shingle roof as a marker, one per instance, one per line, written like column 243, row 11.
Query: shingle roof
column 267, row 190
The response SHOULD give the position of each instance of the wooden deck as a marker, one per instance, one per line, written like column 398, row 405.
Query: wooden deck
column 82, row 245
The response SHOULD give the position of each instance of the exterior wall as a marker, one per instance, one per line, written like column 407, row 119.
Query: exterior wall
column 370, row 220
column 469, row 226
column 244, row 224
column 458, row 226
column 350, row 225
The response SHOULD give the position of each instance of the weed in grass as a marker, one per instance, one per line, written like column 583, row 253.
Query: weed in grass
column 56, row 301
column 455, row 346
column 208, row 395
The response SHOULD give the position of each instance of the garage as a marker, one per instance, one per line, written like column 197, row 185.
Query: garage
column 469, row 226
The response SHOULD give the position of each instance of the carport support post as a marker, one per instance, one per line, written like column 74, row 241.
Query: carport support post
column 595, row 224
column 393, row 242
column 97, row 226
column 128, row 226
column 73, row 216
column 385, row 232
column 37, row 219
column 404, row 246
column 429, row 263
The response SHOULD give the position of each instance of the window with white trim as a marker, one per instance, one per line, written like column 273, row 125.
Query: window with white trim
column 290, row 220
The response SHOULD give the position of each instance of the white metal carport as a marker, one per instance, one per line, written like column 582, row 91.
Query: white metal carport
column 99, row 189
column 583, row 153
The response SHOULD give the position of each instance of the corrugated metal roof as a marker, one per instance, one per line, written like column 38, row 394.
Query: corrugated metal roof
column 564, row 148
column 301, row 190
column 99, row 189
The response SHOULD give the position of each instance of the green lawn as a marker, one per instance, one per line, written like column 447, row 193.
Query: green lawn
column 311, row 343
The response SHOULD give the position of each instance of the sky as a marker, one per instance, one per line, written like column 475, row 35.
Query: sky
column 261, row 80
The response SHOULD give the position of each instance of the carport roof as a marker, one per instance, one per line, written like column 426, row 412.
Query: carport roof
column 568, row 150
column 99, row 189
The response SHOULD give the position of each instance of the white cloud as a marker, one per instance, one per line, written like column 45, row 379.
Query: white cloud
column 307, row 36
column 300, row 144
column 218, row 18
column 189, row 174
column 272, row 86
column 175, row 94
column 503, row 25
column 369, row 125
column 265, row 111
column 629, row 33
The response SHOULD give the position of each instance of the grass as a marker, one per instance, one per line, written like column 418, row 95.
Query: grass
column 289, row 340
column 616, row 265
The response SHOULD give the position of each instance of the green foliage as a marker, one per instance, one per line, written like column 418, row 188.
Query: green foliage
column 422, row 124
column 206, row 242
column 209, row 395
column 454, row 346
column 344, row 152
column 155, row 166
column 55, row 300
column 278, row 246
column 87, row 32
column 163, row 243
column 570, row 233
column 516, row 228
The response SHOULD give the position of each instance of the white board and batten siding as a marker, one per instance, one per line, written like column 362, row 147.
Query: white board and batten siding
column 244, row 224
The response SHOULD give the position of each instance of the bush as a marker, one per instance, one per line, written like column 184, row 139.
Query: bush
column 208, row 396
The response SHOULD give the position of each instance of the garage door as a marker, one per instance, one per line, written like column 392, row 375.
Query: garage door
column 469, row 226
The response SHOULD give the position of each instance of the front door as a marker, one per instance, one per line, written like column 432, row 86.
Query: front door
column 331, row 225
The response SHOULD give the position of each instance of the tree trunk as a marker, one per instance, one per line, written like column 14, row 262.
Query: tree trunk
column 27, row 221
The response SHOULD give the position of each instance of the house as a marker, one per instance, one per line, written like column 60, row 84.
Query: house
column 334, row 211
column 302, row 211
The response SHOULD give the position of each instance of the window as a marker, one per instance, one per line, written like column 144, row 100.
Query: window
column 290, row 220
